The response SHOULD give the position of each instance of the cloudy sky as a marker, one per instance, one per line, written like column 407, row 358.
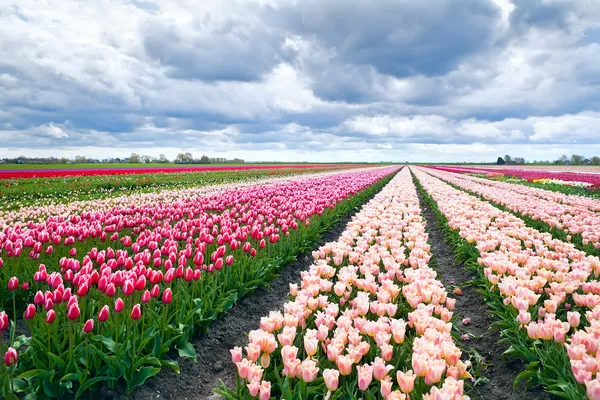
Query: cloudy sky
column 314, row 80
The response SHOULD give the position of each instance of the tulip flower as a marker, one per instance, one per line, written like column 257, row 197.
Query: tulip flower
column 73, row 311
column 13, row 283
column 88, row 326
column 136, row 312
column 50, row 316
column 10, row 357
column 29, row 311
column 104, row 314
column 4, row 321
column 119, row 305
column 167, row 296
column 331, row 377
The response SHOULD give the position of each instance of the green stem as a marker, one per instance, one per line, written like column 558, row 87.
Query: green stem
column 14, row 326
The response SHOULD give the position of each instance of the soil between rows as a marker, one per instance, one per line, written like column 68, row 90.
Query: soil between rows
column 197, row 380
column 483, row 339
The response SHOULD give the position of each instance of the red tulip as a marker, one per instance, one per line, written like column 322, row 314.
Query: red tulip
column 4, row 322
column 262, row 244
column 146, row 296
column 25, row 286
column 219, row 264
column 48, row 304
column 167, row 296
column 83, row 289
column 13, row 283
column 38, row 298
column 136, row 312
column 29, row 311
column 73, row 252
column 229, row 260
column 253, row 252
column 73, row 312
column 88, row 326
column 11, row 356
column 50, row 316
column 111, row 290
column 119, row 305
column 140, row 284
column 155, row 292
column 128, row 287
column 104, row 314
column 189, row 274
column 247, row 247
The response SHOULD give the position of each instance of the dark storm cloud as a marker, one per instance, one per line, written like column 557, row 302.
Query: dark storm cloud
column 213, row 49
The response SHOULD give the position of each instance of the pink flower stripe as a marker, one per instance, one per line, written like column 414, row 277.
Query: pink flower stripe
column 531, row 270
column 368, row 314
column 53, row 173
column 573, row 219
column 529, row 175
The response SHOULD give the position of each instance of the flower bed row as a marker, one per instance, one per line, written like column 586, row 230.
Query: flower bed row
column 369, row 320
column 17, row 193
column 572, row 200
column 125, row 285
column 576, row 221
column 531, row 175
column 542, row 289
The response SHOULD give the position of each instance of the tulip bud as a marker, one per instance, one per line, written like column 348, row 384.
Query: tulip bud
column 50, row 316
column 119, row 305
column 167, row 296
column 29, row 311
column 73, row 311
column 4, row 322
column 136, row 312
column 104, row 314
column 10, row 357
column 88, row 326
column 13, row 283
column 229, row 260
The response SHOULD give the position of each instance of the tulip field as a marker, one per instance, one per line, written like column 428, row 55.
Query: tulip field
column 105, row 291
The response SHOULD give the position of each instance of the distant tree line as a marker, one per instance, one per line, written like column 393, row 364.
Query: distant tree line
column 135, row 158
column 575, row 159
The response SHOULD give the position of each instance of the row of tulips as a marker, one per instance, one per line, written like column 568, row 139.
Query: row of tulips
column 549, row 195
column 576, row 216
column 213, row 184
column 543, row 290
column 137, row 281
column 369, row 319
column 574, row 174
column 54, row 235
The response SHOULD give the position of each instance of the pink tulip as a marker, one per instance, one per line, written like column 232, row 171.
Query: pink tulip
column 236, row 354
column 265, row 391
column 406, row 381
column 167, row 296
column 13, row 283
column 73, row 311
column 29, row 311
column 136, row 312
column 88, row 326
column 119, row 305
column 104, row 314
column 365, row 376
column 4, row 321
column 331, row 377
column 10, row 357
column 574, row 318
column 50, row 316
